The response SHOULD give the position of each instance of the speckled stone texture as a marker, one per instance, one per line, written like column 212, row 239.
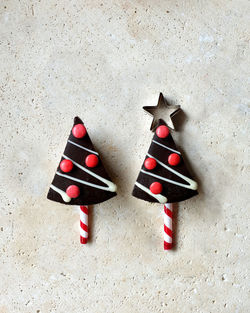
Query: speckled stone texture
column 103, row 61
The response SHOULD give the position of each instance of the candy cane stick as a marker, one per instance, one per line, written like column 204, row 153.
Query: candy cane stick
column 84, row 215
column 168, row 226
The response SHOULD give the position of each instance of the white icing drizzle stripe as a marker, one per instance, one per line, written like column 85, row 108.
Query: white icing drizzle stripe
column 83, row 182
column 160, row 144
column 81, row 147
column 63, row 194
column 111, row 186
column 192, row 184
column 158, row 197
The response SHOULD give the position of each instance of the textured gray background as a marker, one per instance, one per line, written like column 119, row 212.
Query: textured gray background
column 104, row 60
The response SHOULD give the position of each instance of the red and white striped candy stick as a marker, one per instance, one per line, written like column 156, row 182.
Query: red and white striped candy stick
column 168, row 226
column 84, row 215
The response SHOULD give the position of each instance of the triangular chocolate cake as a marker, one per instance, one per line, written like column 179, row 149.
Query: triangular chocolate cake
column 81, row 178
column 164, row 177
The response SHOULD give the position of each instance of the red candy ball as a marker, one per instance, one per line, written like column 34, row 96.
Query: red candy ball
column 73, row 191
column 91, row 160
column 150, row 163
column 174, row 159
column 66, row 166
column 156, row 188
column 162, row 131
column 79, row 131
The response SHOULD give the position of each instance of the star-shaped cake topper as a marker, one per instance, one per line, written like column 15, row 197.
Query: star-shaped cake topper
column 163, row 110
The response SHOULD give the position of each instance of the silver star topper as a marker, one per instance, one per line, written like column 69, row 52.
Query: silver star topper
column 163, row 108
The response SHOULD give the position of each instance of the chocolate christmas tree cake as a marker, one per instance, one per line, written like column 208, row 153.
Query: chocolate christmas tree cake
column 81, row 178
column 164, row 177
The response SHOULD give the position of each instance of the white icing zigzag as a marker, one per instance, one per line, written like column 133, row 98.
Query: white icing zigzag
column 160, row 144
column 191, row 183
column 79, row 146
column 63, row 194
column 111, row 186
column 158, row 197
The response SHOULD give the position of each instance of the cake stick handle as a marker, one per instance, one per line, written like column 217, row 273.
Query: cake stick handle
column 168, row 226
column 84, row 216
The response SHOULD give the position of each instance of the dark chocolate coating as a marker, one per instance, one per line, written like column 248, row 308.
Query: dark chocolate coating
column 88, row 195
column 172, row 192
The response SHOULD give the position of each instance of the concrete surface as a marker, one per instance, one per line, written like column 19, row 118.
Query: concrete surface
column 104, row 60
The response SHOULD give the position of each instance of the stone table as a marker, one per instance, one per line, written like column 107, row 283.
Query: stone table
column 104, row 60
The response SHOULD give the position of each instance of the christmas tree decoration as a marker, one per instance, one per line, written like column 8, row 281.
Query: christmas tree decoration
column 164, row 177
column 162, row 107
column 81, row 178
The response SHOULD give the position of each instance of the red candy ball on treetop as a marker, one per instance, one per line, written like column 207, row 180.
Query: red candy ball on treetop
column 66, row 166
column 73, row 191
column 79, row 131
column 174, row 159
column 156, row 188
column 150, row 163
column 91, row 160
column 162, row 131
